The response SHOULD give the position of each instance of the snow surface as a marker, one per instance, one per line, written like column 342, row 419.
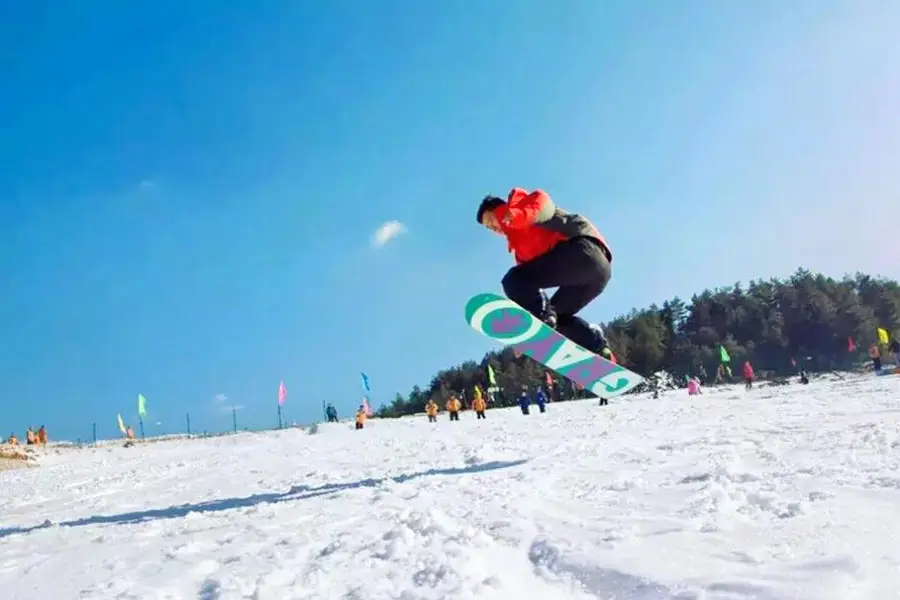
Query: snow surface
column 780, row 493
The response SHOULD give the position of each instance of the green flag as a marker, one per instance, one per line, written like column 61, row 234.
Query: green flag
column 490, row 373
column 142, row 406
column 723, row 355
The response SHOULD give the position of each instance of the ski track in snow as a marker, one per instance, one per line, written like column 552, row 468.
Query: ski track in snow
column 781, row 493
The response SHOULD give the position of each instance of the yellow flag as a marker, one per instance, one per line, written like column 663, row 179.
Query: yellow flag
column 882, row 336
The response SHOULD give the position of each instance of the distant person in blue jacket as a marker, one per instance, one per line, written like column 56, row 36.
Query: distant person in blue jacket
column 541, row 400
column 524, row 402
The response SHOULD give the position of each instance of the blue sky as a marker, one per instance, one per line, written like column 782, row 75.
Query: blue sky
column 188, row 190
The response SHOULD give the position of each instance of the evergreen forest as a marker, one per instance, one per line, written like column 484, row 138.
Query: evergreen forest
column 807, row 321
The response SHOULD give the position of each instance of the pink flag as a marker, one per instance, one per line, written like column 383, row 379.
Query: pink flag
column 282, row 393
column 366, row 407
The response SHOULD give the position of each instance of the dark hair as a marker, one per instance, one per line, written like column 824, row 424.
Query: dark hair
column 489, row 203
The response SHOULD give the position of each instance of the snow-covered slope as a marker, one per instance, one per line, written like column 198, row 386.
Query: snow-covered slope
column 779, row 493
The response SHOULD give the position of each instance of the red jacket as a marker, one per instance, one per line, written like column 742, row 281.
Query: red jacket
column 536, row 225
column 748, row 370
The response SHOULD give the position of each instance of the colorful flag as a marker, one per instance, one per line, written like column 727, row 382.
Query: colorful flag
column 549, row 381
column 723, row 355
column 121, row 425
column 366, row 407
column 282, row 393
column 882, row 336
column 490, row 373
column 851, row 345
column 365, row 382
column 142, row 406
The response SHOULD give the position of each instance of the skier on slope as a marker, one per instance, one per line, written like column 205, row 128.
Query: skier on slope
column 552, row 248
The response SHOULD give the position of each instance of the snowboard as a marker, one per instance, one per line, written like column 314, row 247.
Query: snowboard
column 504, row 321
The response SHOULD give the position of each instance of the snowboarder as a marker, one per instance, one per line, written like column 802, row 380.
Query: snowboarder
column 552, row 248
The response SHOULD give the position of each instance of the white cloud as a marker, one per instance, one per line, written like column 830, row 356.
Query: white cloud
column 221, row 402
column 146, row 185
column 387, row 232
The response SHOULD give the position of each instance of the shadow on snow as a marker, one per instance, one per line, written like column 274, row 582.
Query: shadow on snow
column 297, row 492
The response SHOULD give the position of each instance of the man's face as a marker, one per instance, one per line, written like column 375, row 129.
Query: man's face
column 489, row 220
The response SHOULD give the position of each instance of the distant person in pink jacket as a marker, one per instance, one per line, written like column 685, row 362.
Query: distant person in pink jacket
column 748, row 374
column 694, row 386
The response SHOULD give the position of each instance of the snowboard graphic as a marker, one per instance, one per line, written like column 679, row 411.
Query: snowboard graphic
column 504, row 321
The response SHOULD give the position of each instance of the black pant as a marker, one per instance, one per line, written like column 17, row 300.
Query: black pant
column 579, row 268
column 454, row 416
column 432, row 419
column 479, row 414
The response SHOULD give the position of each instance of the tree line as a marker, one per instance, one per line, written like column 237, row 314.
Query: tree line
column 806, row 321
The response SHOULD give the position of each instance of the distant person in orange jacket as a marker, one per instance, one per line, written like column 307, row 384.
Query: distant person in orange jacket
column 552, row 248
column 453, row 407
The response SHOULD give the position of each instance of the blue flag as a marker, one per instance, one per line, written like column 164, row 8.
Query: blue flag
column 365, row 382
